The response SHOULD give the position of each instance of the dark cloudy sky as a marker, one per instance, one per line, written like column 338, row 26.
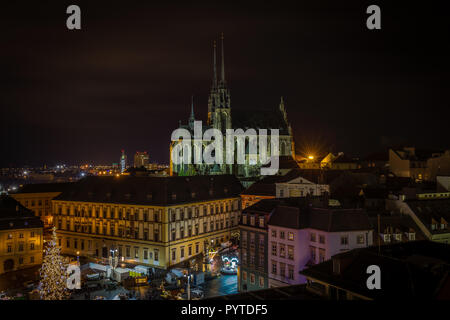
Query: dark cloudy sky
column 126, row 78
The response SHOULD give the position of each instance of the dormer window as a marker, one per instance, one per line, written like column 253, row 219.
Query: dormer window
column 387, row 238
column 261, row 222
column 174, row 196
column 398, row 237
column 412, row 236
column 193, row 195
column 149, row 196
column 443, row 224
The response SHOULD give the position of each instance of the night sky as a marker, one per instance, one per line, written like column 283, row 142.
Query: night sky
column 126, row 79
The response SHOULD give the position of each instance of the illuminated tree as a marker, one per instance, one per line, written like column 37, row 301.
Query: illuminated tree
column 53, row 285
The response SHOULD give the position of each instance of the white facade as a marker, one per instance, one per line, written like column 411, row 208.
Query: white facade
column 300, row 247
column 300, row 187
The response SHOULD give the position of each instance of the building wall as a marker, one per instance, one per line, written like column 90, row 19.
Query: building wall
column 39, row 203
column 165, row 233
column 309, row 246
column 398, row 166
column 300, row 188
column 283, row 267
column 21, row 246
column 252, row 273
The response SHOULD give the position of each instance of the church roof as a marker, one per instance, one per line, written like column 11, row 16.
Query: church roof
column 259, row 118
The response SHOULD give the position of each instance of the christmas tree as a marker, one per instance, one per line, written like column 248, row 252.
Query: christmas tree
column 53, row 285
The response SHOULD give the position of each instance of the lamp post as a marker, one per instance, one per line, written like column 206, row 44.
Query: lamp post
column 113, row 261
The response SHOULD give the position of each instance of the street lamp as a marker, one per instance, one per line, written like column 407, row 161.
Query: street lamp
column 113, row 262
column 78, row 257
column 189, row 276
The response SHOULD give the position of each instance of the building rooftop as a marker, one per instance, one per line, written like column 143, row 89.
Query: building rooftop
column 15, row 216
column 266, row 186
column 431, row 209
column 152, row 190
column 44, row 187
column 294, row 292
column 307, row 212
column 417, row 269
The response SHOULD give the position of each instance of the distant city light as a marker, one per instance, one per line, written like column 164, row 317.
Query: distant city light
column 310, row 157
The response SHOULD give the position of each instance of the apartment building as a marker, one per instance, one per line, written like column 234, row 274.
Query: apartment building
column 302, row 235
column 20, row 236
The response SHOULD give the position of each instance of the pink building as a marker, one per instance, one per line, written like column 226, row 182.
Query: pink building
column 301, row 236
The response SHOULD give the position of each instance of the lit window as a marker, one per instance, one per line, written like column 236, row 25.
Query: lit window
column 261, row 282
column 360, row 239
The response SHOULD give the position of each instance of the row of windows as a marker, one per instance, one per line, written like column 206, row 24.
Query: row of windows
column 125, row 213
column 32, row 203
column 282, row 235
column 252, row 279
column 282, row 250
column 281, row 270
column 313, row 253
column 261, row 220
column 252, row 259
column 21, row 247
column 195, row 231
column 21, row 235
column 244, row 243
column 398, row 237
column 360, row 239
column 81, row 244
column 122, row 232
column 195, row 212
column 182, row 251
column 22, row 261
column 115, row 213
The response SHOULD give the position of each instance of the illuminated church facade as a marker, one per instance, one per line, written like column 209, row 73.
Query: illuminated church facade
column 220, row 117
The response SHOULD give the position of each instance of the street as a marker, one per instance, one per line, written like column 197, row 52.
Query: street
column 223, row 285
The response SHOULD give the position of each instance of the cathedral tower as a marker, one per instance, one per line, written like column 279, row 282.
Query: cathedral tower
column 219, row 102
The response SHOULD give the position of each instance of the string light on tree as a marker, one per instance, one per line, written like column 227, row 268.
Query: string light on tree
column 53, row 285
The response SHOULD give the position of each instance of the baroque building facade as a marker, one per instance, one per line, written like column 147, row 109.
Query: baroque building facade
column 155, row 221
column 220, row 117
column 21, row 236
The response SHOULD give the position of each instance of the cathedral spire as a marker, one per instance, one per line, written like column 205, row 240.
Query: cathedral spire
column 222, row 79
column 215, row 67
column 192, row 108
column 282, row 104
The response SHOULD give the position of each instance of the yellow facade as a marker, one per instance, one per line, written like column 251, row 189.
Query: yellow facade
column 39, row 203
column 20, row 248
column 158, row 236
